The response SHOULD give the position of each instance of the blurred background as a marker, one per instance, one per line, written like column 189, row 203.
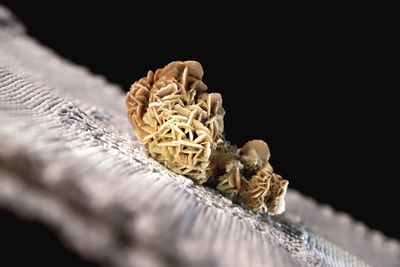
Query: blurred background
column 316, row 87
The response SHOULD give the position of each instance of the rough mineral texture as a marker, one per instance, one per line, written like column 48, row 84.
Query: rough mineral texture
column 182, row 127
column 70, row 161
column 177, row 120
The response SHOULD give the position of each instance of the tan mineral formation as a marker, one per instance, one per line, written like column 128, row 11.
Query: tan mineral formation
column 182, row 126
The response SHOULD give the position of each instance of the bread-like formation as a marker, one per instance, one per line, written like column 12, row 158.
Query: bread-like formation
column 179, row 122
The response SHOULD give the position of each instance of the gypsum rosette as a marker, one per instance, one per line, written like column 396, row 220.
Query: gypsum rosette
column 182, row 127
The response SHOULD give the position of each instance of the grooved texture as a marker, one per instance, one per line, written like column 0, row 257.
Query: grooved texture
column 68, row 159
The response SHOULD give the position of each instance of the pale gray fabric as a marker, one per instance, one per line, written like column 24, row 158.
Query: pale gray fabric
column 69, row 159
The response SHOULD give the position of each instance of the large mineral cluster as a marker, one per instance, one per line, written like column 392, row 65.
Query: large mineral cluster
column 182, row 126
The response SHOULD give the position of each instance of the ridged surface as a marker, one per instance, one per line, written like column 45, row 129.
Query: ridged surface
column 69, row 159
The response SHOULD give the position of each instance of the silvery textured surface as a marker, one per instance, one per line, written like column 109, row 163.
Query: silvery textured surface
column 69, row 159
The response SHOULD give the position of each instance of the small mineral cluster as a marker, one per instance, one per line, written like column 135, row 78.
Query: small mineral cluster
column 182, row 127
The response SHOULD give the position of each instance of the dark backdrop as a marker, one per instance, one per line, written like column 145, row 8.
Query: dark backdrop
column 315, row 86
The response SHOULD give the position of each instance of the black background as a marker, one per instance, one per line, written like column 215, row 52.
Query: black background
column 316, row 86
